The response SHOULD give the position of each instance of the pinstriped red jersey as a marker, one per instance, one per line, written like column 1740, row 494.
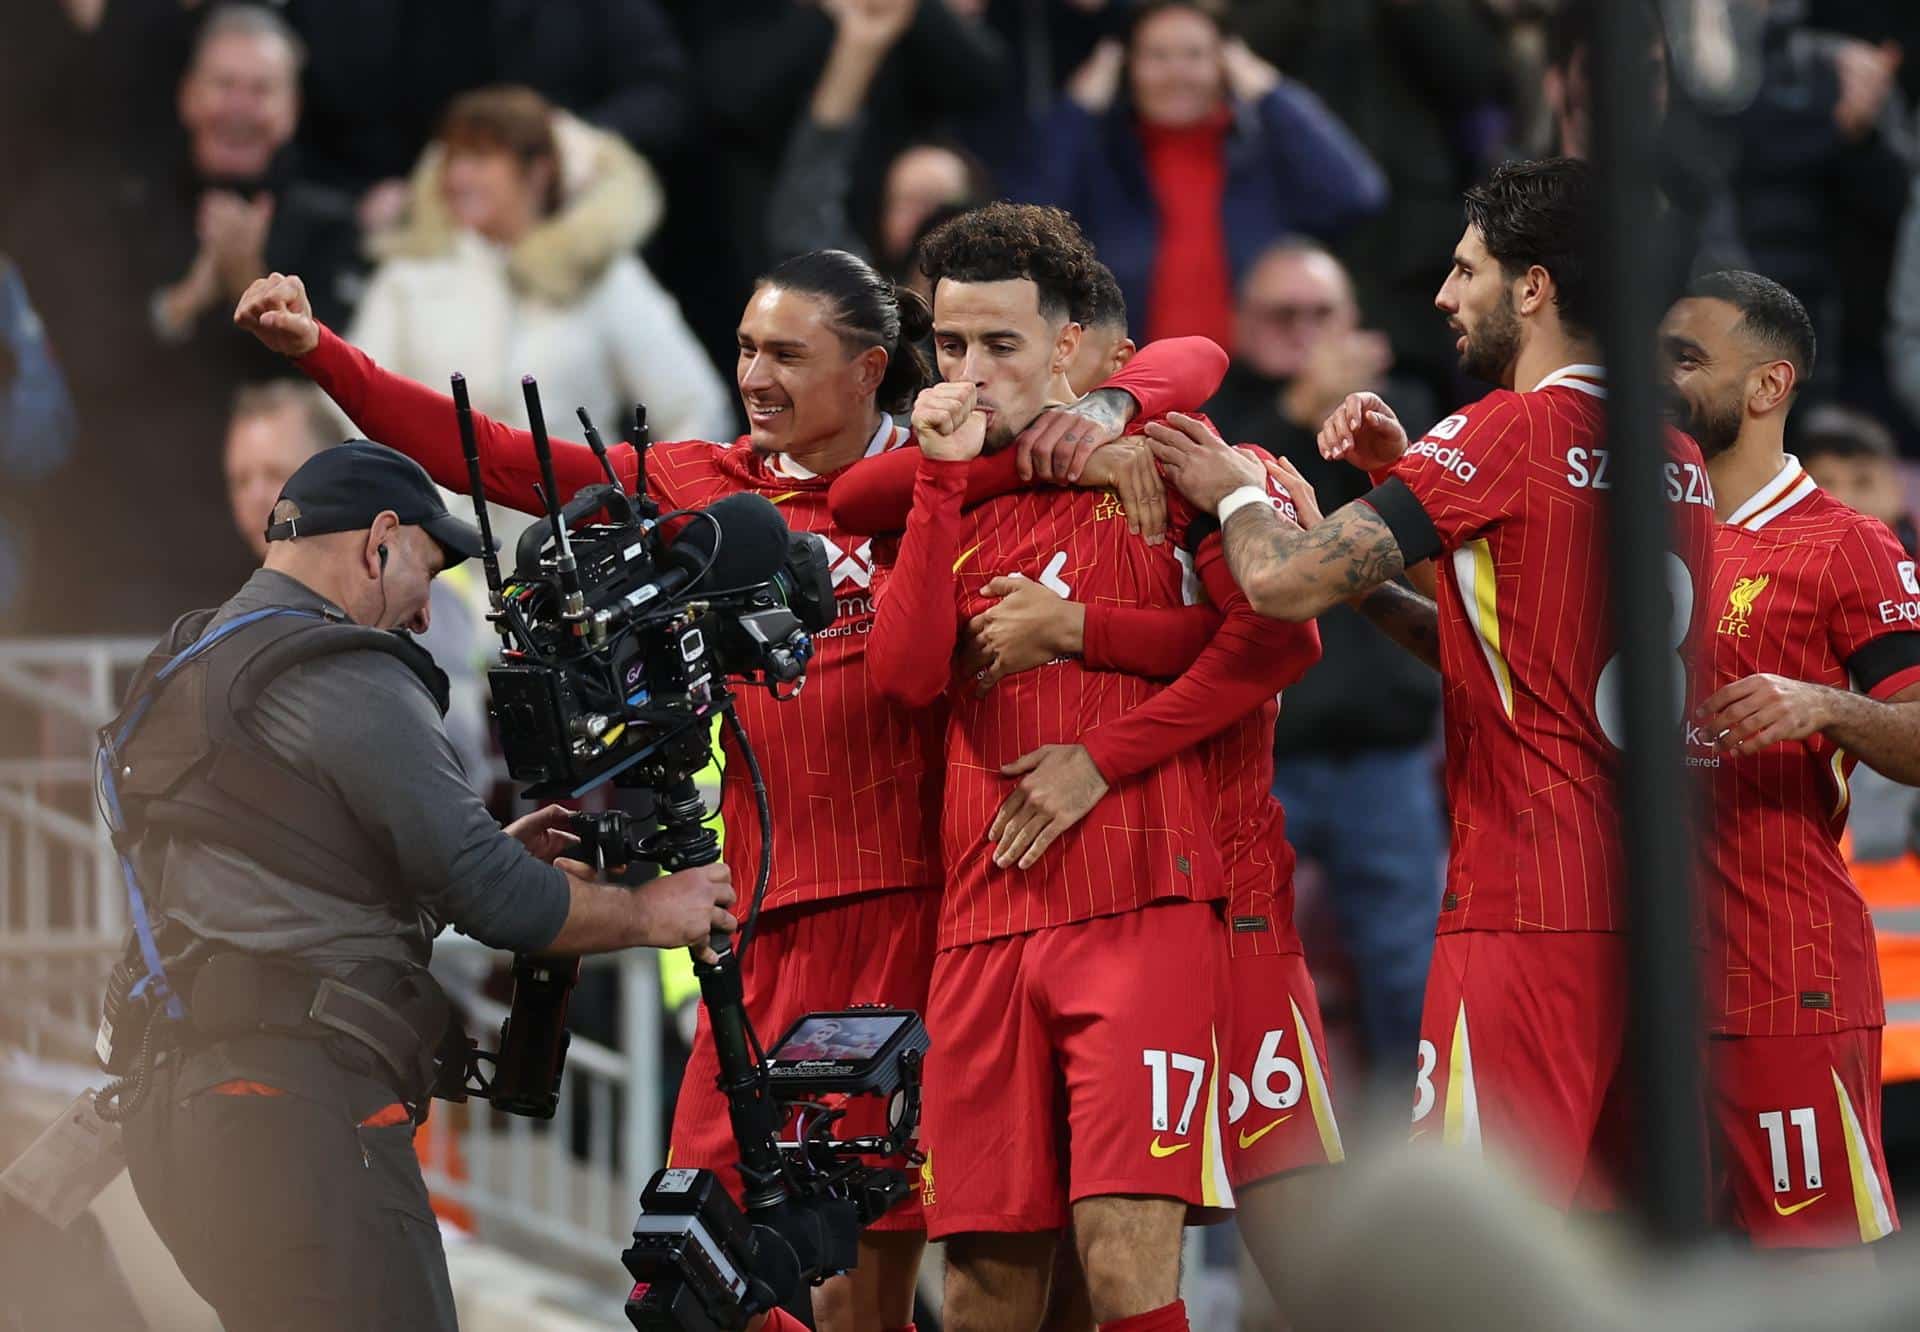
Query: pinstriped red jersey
column 852, row 779
column 1249, row 825
column 1150, row 837
column 1255, row 855
column 1802, row 585
column 1516, row 488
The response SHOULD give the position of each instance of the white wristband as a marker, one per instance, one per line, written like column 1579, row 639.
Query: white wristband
column 1238, row 499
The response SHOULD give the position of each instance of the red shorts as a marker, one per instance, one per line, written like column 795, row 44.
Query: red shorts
column 1074, row 1062
column 876, row 948
column 1279, row 1098
column 1521, row 1046
column 1797, row 1156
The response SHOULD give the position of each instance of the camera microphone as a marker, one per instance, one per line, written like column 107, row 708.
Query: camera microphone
column 741, row 540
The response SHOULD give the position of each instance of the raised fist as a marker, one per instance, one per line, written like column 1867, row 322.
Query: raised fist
column 275, row 310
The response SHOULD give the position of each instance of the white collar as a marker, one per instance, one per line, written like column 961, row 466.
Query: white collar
column 1789, row 486
column 1590, row 379
column 886, row 437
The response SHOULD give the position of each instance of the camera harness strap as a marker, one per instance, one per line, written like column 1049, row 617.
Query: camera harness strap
column 114, row 738
column 232, row 799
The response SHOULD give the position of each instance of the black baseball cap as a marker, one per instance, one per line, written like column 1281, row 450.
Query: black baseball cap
column 344, row 488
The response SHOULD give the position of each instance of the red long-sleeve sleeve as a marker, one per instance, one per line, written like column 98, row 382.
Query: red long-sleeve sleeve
column 1171, row 375
column 1155, row 642
column 916, row 620
column 420, row 423
column 1248, row 661
column 875, row 494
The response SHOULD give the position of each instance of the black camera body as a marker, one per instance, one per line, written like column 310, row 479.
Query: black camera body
column 626, row 656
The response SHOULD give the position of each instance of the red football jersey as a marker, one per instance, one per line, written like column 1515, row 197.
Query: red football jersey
column 1255, row 855
column 1150, row 837
column 852, row 780
column 1250, row 828
column 1802, row 584
column 1515, row 486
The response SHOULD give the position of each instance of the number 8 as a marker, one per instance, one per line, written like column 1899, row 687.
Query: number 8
column 1606, row 694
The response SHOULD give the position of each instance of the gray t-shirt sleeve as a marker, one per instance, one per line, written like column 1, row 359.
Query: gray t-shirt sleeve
column 378, row 738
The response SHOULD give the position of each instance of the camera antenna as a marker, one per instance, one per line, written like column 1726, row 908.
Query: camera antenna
column 595, row 443
column 641, row 439
column 470, row 446
column 573, row 605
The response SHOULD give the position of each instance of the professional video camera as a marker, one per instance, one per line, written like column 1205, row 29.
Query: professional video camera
column 619, row 649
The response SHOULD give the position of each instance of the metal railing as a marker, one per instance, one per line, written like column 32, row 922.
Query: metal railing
column 570, row 1187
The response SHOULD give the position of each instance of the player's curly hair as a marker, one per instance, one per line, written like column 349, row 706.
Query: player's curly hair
column 1003, row 242
column 1106, row 304
column 1542, row 213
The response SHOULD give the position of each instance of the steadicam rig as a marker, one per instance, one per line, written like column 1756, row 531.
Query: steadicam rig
column 624, row 631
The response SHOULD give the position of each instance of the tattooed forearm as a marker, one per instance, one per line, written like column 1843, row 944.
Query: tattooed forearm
column 1289, row 574
column 1110, row 407
column 1409, row 619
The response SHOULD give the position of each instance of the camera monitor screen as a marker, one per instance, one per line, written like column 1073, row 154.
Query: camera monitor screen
column 841, row 1038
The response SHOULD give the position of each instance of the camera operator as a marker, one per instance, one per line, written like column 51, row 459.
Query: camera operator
column 322, row 833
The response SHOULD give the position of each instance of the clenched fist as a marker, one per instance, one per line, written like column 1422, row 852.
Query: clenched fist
column 948, row 422
column 275, row 310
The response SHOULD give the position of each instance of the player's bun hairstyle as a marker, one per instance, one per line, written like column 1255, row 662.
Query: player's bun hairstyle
column 1106, row 305
column 1005, row 242
column 1542, row 213
column 868, row 310
column 1768, row 312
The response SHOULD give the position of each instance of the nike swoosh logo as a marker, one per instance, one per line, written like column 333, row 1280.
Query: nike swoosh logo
column 782, row 499
column 1789, row 1211
column 1248, row 1139
column 966, row 555
column 1158, row 1150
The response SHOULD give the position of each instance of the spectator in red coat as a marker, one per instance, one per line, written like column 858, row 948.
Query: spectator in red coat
column 1183, row 155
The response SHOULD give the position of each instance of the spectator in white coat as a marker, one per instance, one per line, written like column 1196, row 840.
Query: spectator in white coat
column 517, row 258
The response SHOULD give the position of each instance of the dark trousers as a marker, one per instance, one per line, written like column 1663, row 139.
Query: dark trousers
column 285, row 1211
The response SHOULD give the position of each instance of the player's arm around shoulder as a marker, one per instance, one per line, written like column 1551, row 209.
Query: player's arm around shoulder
column 1287, row 573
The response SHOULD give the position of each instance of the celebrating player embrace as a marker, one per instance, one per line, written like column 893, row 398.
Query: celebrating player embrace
column 827, row 347
column 1027, row 786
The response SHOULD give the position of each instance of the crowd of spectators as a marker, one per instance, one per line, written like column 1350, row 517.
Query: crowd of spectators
column 584, row 189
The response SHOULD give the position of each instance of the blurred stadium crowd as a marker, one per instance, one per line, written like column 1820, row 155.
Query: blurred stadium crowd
column 585, row 189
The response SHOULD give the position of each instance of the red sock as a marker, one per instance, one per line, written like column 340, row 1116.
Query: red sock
column 779, row 1320
column 1167, row 1318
